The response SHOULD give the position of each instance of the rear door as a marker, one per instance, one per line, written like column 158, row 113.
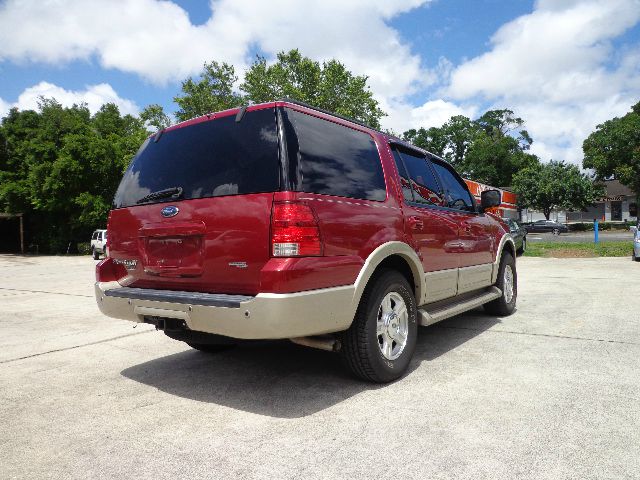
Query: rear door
column 193, row 210
column 432, row 230
column 475, row 230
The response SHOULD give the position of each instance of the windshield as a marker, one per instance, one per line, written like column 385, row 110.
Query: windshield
column 207, row 159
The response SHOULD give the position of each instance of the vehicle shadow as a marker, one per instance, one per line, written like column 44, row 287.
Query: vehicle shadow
column 280, row 379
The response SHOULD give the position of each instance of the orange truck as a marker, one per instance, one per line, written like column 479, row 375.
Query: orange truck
column 507, row 208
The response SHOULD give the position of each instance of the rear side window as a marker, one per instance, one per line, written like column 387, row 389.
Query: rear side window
column 423, row 181
column 208, row 159
column 407, row 191
column 331, row 159
column 456, row 192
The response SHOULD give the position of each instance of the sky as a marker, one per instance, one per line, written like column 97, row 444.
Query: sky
column 563, row 66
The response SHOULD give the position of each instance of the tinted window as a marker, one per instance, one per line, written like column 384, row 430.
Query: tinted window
column 208, row 159
column 407, row 192
column 331, row 159
column 423, row 181
column 456, row 192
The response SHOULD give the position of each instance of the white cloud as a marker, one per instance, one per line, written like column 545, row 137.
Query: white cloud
column 557, row 69
column 4, row 108
column 157, row 41
column 93, row 95
column 558, row 130
column 433, row 113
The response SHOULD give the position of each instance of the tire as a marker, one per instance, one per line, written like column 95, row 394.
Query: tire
column 556, row 231
column 209, row 348
column 377, row 327
column 506, row 304
column 634, row 257
column 96, row 255
column 523, row 248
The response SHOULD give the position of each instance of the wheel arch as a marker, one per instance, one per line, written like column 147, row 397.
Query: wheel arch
column 393, row 255
column 506, row 245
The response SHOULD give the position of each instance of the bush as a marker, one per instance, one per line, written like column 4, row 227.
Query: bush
column 602, row 226
column 580, row 227
column 84, row 248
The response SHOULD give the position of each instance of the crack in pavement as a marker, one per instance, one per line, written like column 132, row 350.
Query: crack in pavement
column 43, row 291
column 74, row 347
column 549, row 335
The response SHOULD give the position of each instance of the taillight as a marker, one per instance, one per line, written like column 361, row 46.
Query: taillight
column 108, row 271
column 294, row 231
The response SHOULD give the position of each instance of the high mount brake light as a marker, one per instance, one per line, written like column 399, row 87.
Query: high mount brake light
column 294, row 231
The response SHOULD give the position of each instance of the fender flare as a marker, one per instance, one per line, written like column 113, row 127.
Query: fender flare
column 374, row 260
column 504, row 241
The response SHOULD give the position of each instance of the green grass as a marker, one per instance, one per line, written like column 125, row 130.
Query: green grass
column 577, row 250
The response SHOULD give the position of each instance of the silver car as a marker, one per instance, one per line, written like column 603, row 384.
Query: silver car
column 636, row 243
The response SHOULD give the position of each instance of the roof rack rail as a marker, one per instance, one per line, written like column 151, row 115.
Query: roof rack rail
column 333, row 114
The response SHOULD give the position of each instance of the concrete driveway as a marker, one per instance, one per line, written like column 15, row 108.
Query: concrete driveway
column 552, row 392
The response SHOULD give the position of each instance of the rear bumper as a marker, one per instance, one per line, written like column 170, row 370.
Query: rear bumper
column 265, row 316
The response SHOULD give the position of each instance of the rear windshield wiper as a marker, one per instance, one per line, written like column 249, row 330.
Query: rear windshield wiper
column 174, row 192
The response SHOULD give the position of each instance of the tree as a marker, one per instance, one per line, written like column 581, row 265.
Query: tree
column 613, row 149
column 495, row 159
column 153, row 116
column 329, row 86
column 554, row 185
column 61, row 167
column 433, row 139
column 461, row 132
column 211, row 93
column 490, row 149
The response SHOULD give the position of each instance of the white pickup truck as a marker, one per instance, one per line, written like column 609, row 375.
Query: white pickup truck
column 99, row 244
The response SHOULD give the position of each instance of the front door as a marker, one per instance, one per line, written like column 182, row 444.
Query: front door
column 475, row 231
column 616, row 211
column 430, row 229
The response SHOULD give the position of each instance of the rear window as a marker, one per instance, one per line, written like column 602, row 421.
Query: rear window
column 208, row 159
column 332, row 159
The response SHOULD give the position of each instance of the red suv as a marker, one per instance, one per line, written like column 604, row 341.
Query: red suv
column 281, row 220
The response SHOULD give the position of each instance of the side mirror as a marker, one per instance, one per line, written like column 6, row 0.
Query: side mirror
column 489, row 199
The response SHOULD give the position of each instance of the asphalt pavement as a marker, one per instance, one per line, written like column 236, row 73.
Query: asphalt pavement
column 551, row 392
column 578, row 237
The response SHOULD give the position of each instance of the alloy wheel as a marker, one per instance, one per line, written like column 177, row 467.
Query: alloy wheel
column 392, row 326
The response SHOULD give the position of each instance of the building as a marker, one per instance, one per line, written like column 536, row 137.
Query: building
column 619, row 204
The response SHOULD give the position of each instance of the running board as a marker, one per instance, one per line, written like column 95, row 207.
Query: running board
column 430, row 314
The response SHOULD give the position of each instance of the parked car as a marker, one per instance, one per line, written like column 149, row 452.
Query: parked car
column 542, row 226
column 99, row 244
column 635, row 255
column 282, row 221
column 519, row 235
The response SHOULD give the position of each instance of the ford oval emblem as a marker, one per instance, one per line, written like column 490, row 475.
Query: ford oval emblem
column 170, row 211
